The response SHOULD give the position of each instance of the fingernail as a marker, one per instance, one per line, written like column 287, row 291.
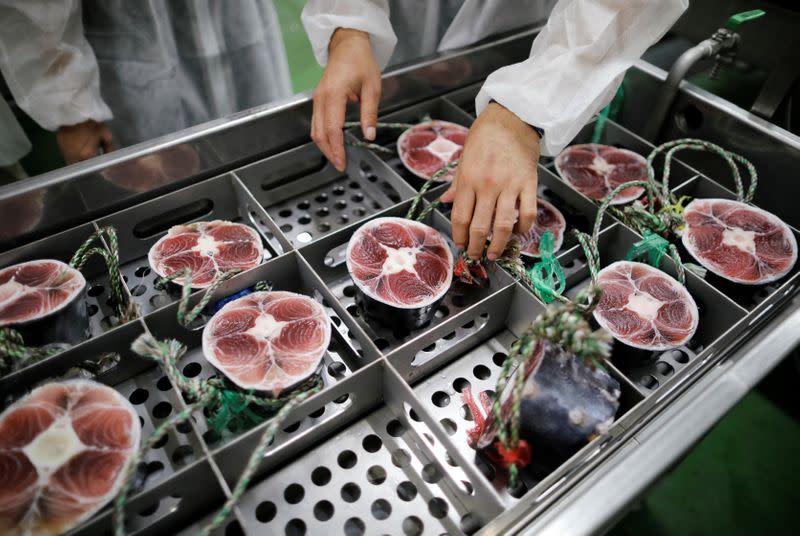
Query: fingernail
column 370, row 133
column 492, row 256
column 474, row 257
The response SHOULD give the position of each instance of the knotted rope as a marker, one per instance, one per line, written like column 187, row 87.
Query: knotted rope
column 186, row 316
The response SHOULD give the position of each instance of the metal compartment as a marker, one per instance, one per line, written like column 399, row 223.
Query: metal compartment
column 308, row 198
column 380, row 381
column 327, row 258
column 141, row 226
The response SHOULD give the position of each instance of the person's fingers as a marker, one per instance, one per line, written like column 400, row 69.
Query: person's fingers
column 316, row 122
column 370, row 98
column 450, row 194
column 335, row 108
column 527, row 207
column 461, row 215
column 504, row 217
column 480, row 224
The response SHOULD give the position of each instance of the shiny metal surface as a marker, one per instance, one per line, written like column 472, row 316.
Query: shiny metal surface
column 394, row 385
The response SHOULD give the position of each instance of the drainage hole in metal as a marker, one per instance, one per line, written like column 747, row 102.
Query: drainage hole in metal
column 163, row 384
column 395, row 428
column 294, row 493
column 372, row 443
column 440, row 399
column 449, row 426
column 192, row 369
column 354, row 527
column 138, row 290
column 304, row 205
column 349, row 291
column 285, row 213
column 499, row 358
column 431, row 474
column 347, row 459
column 321, row 198
column 336, row 369
column 305, row 219
column 382, row 344
column 469, row 524
column 321, row 476
column 350, row 492
column 182, row 455
column 649, row 382
column 95, row 290
column 360, row 211
column 91, row 309
column 149, row 510
column 323, row 510
column 406, row 491
column 376, row 475
column 481, row 372
column 139, row 396
column 323, row 211
column 286, row 227
column 184, row 427
column 412, row 526
column 665, row 369
column 437, row 507
column 466, row 413
column 295, row 527
column 401, row 458
column 430, row 348
column 234, row 529
column 142, row 271
column 162, row 410
column 459, row 384
column 381, row 509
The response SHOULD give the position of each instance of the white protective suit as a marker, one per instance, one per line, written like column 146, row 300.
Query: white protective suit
column 576, row 62
column 154, row 66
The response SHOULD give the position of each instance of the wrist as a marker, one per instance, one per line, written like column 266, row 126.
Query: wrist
column 505, row 112
column 341, row 35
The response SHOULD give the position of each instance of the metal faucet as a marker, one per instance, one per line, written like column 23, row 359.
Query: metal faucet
column 722, row 45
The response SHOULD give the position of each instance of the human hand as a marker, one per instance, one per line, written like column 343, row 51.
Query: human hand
column 351, row 74
column 83, row 141
column 496, row 177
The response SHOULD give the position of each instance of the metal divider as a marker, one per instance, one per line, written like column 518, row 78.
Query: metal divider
column 139, row 227
column 464, row 98
column 326, row 258
column 100, row 307
column 309, row 199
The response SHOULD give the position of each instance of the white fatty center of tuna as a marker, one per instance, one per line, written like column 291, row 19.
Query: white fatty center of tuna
column 54, row 446
column 207, row 246
column 399, row 259
column 267, row 327
column 739, row 238
column 443, row 148
column 644, row 305
column 601, row 166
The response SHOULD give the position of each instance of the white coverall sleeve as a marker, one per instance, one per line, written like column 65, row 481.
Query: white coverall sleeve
column 577, row 62
column 322, row 17
column 48, row 64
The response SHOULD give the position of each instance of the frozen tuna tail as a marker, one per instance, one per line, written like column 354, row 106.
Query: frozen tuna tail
column 737, row 241
column 565, row 403
column 644, row 307
column 207, row 249
column 428, row 147
column 268, row 341
column 43, row 300
column 64, row 452
column 401, row 269
column 595, row 170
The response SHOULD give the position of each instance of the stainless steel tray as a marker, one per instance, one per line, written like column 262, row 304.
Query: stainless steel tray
column 389, row 419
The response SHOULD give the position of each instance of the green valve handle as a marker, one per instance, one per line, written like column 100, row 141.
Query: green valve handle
column 745, row 16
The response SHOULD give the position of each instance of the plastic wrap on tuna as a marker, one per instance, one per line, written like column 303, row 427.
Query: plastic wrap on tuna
column 207, row 249
column 401, row 269
column 644, row 307
column 428, row 147
column 43, row 300
column 565, row 404
column 738, row 241
column 595, row 170
column 64, row 452
column 268, row 341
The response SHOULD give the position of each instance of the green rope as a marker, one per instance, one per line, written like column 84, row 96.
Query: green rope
column 652, row 248
column 125, row 308
column 371, row 146
column 693, row 144
column 422, row 191
column 14, row 352
column 547, row 275
column 186, row 317
column 225, row 406
column 398, row 126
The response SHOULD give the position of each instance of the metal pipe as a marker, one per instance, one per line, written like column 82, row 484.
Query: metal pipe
column 677, row 73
